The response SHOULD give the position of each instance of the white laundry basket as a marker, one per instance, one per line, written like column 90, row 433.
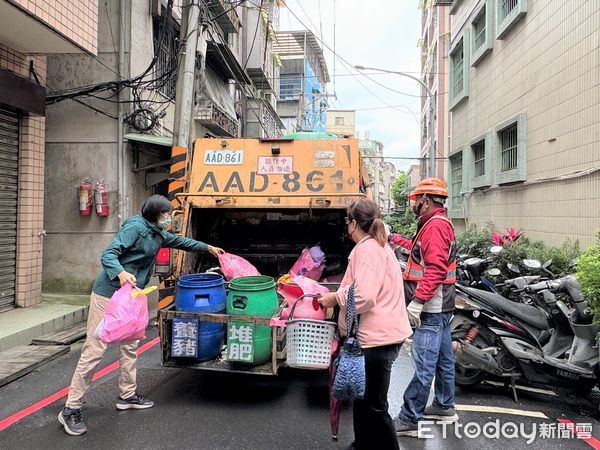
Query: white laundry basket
column 308, row 340
column 309, row 343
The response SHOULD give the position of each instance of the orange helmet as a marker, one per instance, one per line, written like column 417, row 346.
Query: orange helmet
column 432, row 186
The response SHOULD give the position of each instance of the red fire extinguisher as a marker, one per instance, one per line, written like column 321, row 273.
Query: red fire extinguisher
column 84, row 195
column 101, row 199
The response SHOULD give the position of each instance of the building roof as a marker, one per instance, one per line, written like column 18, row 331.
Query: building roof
column 291, row 45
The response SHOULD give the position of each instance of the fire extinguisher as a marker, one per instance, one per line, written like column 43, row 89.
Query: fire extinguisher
column 101, row 199
column 84, row 196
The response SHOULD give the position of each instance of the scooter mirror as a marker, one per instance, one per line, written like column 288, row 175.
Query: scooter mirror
column 496, row 249
column 532, row 263
column 493, row 272
column 547, row 264
column 513, row 268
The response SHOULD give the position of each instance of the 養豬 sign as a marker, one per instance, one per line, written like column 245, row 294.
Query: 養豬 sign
column 184, row 342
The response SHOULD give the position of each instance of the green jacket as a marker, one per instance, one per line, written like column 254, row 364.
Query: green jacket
column 134, row 249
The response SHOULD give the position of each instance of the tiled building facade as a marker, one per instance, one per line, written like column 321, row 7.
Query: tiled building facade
column 53, row 26
column 525, row 105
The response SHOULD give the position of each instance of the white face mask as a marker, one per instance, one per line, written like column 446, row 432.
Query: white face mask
column 165, row 223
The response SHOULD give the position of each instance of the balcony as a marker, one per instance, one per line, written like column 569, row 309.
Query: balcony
column 26, row 32
column 260, row 60
column 212, row 117
column 271, row 121
column 227, row 17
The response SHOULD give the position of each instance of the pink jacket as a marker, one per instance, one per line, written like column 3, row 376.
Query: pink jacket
column 378, row 294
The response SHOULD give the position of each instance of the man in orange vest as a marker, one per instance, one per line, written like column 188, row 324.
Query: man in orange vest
column 429, row 279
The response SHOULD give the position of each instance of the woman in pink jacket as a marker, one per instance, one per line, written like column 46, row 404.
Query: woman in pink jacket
column 379, row 297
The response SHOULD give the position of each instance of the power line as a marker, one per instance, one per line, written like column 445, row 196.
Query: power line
column 345, row 61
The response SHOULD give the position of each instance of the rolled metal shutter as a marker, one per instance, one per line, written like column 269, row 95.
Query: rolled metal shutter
column 9, row 172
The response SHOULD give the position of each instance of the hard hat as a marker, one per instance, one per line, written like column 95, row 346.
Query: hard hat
column 431, row 186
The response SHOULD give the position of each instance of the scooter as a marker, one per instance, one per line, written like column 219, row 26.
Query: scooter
column 493, row 336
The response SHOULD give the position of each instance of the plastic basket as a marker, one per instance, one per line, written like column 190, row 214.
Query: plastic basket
column 309, row 342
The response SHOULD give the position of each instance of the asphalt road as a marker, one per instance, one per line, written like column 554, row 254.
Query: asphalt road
column 201, row 410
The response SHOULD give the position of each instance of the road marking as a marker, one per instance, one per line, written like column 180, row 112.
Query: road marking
column 525, row 388
column 14, row 418
column 590, row 440
column 499, row 410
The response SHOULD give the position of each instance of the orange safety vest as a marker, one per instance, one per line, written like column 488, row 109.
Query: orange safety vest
column 415, row 268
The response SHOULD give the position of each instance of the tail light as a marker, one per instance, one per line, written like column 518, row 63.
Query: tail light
column 163, row 262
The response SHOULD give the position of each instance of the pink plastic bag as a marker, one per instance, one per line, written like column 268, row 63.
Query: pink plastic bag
column 308, row 308
column 234, row 266
column 125, row 318
column 311, row 263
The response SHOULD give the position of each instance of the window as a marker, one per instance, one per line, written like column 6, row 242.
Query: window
column 339, row 120
column 479, row 161
column 290, row 86
column 481, row 32
column 510, row 150
column 458, row 61
column 459, row 70
column 456, row 184
column 165, row 37
column 508, row 141
column 479, row 155
column 508, row 13
column 506, row 7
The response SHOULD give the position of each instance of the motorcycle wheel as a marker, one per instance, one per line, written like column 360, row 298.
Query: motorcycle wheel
column 467, row 376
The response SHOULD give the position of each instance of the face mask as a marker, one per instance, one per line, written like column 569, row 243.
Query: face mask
column 417, row 209
column 165, row 223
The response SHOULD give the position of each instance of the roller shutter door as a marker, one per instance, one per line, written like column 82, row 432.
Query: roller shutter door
column 9, row 171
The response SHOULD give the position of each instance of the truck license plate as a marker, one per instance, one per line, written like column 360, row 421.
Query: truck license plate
column 224, row 157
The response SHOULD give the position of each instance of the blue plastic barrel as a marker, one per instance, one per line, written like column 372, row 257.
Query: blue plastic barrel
column 204, row 293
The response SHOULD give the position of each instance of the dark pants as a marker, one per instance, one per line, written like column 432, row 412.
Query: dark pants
column 433, row 357
column 373, row 425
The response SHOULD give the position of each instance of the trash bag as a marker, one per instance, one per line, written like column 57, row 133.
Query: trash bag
column 234, row 266
column 125, row 317
column 311, row 263
column 306, row 286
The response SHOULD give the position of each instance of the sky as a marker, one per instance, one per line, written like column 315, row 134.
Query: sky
column 374, row 33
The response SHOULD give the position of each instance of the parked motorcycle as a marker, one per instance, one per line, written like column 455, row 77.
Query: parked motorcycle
column 493, row 336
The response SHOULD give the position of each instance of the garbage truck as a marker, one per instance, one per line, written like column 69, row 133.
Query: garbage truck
column 264, row 200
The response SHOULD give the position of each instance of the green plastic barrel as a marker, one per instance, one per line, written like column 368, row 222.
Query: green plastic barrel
column 254, row 296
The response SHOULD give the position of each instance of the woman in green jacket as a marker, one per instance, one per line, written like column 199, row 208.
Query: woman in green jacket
column 129, row 258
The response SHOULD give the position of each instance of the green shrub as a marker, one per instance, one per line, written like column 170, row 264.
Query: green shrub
column 588, row 274
column 403, row 224
column 475, row 241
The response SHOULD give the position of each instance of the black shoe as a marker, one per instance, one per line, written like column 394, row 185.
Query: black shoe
column 134, row 402
column 404, row 428
column 71, row 421
column 435, row 412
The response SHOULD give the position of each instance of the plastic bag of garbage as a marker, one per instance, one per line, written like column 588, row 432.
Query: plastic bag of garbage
column 125, row 317
column 307, row 309
column 311, row 263
column 234, row 266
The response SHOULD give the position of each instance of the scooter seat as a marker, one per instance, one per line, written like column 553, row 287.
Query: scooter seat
column 526, row 313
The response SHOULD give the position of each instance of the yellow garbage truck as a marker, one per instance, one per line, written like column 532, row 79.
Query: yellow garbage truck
column 264, row 200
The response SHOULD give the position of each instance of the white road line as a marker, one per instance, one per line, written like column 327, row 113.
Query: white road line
column 498, row 410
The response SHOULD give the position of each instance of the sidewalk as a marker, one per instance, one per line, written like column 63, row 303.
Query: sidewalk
column 56, row 312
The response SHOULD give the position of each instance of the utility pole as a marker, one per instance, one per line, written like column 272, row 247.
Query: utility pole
column 184, row 97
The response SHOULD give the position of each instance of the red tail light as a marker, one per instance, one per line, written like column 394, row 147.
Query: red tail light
column 164, row 257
